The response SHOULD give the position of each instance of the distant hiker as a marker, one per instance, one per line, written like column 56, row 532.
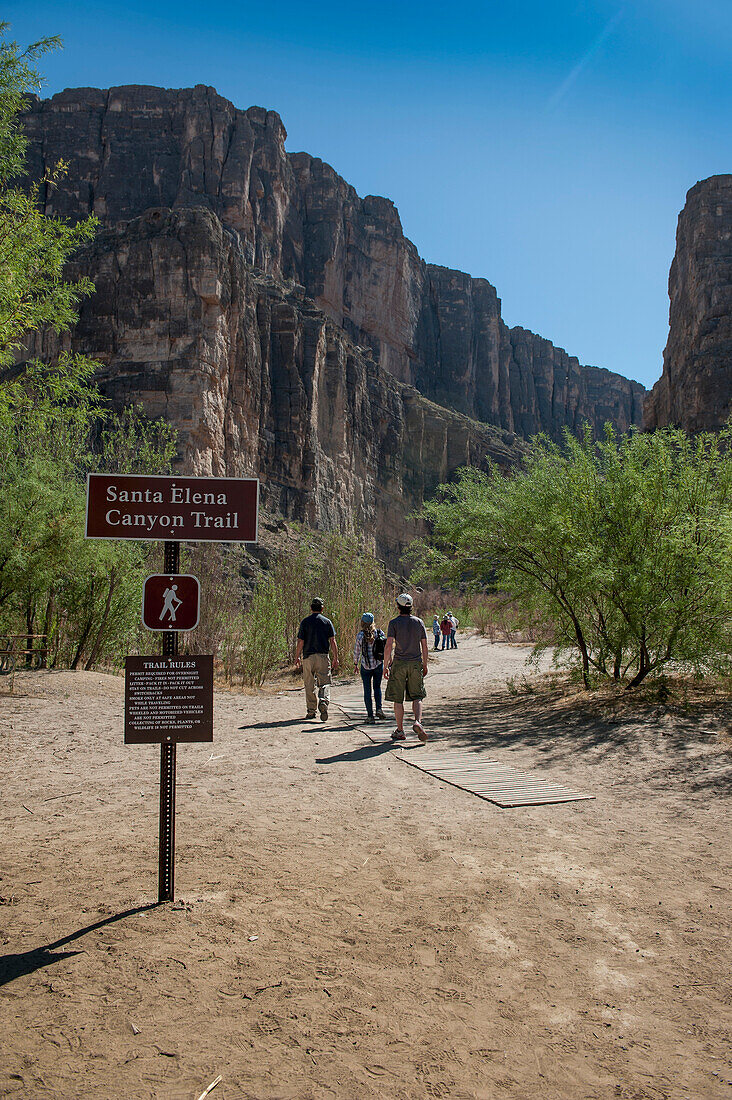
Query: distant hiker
column 405, row 666
column 455, row 623
column 368, row 658
column 446, row 627
column 436, row 631
column 315, row 638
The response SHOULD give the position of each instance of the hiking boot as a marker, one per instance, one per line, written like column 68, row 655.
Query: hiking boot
column 371, row 721
column 309, row 715
column 380, row 713
column 399, row 735
column 323, row 708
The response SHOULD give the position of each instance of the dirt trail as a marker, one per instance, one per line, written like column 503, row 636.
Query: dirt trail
column 350, row 927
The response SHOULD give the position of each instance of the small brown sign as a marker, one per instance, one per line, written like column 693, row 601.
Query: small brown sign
column 168, row 699
column 171, row 602
column 180, row 509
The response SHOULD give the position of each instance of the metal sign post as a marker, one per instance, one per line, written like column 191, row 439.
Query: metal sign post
column 166, row 831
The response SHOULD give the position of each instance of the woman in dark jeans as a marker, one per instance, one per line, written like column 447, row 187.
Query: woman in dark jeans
column 368, row 658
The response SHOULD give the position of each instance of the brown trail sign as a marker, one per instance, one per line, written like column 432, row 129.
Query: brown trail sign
column 171, row 602
column 170, row 701
column 187, row 509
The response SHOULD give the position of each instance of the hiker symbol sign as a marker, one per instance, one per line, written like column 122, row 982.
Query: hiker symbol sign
column 170, row 602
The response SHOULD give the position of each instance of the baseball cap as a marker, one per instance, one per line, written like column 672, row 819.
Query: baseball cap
column 367, row 617
column 404, row 600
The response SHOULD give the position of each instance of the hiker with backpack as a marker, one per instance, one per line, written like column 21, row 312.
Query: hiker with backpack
column 368, row 658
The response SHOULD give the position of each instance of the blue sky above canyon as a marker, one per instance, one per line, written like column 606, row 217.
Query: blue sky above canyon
column 547, row 146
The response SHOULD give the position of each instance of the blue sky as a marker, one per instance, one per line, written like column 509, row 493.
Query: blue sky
column 546, row 145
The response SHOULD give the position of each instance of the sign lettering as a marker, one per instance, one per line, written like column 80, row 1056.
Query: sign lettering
column 190, row 509
column 168, row 699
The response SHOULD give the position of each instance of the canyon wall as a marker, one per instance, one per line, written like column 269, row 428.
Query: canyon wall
column 295, row 219
column 695, row 390
column 260, row 382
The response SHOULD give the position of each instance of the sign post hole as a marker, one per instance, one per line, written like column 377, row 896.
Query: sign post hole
column 166, row 833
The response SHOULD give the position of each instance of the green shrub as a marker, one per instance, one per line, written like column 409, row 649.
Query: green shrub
column 622, row 547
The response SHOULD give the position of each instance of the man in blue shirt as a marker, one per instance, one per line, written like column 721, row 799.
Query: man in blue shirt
column 315, row 644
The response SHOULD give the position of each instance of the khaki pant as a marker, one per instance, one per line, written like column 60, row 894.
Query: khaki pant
column 316, row 669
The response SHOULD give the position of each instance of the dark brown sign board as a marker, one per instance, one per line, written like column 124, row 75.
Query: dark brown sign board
column 168, row 699
column 182, row 509
column 171, row 601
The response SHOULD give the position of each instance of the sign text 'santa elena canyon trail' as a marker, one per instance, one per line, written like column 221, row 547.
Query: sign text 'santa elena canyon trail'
column 200, row 509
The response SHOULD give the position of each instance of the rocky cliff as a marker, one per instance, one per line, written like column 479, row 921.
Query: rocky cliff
column 294, row 218
column 695, row 390
column 260, row 382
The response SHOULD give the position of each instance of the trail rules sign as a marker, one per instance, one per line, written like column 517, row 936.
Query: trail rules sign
column 183, row 509
column 168, row 699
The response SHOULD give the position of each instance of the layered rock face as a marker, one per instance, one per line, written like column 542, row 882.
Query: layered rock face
column 259, row 381
column 134, row 148
column 695, row 390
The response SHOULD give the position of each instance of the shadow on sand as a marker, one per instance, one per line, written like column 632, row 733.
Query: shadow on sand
column 558, row 731
column 365, row 752
column 15, row 966
column 277, row 725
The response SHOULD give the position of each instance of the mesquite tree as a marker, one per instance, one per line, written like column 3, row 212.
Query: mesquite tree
column 622, row 545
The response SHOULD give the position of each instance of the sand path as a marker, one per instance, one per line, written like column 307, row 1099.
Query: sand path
column 350, row 927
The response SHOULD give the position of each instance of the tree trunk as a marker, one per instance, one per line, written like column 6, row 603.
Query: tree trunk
column 85, row 632
column 644, row 667
column 30, row 615
column 105, row 615
column 47, row 620
column 80, row 647
column 582, row 646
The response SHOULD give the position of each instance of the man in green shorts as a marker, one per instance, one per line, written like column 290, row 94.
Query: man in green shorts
column 405, row 666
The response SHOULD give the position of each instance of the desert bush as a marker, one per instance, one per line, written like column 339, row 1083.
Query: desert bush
column 253, row 634
column 218, row 569
column 346, row 575
column 263, row 646
column 84, row 594
column 622, row 546
column 499, row 618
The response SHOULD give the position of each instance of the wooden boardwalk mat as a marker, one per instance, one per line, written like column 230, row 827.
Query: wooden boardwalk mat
column 489, row 779
column 469, row 771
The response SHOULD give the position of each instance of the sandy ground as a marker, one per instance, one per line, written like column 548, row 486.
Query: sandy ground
column 350, row 927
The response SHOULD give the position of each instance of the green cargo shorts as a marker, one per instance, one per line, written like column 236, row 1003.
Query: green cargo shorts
column 405, row 682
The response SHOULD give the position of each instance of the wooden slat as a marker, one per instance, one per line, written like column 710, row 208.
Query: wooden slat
column 495, row 782
column 465, row 769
